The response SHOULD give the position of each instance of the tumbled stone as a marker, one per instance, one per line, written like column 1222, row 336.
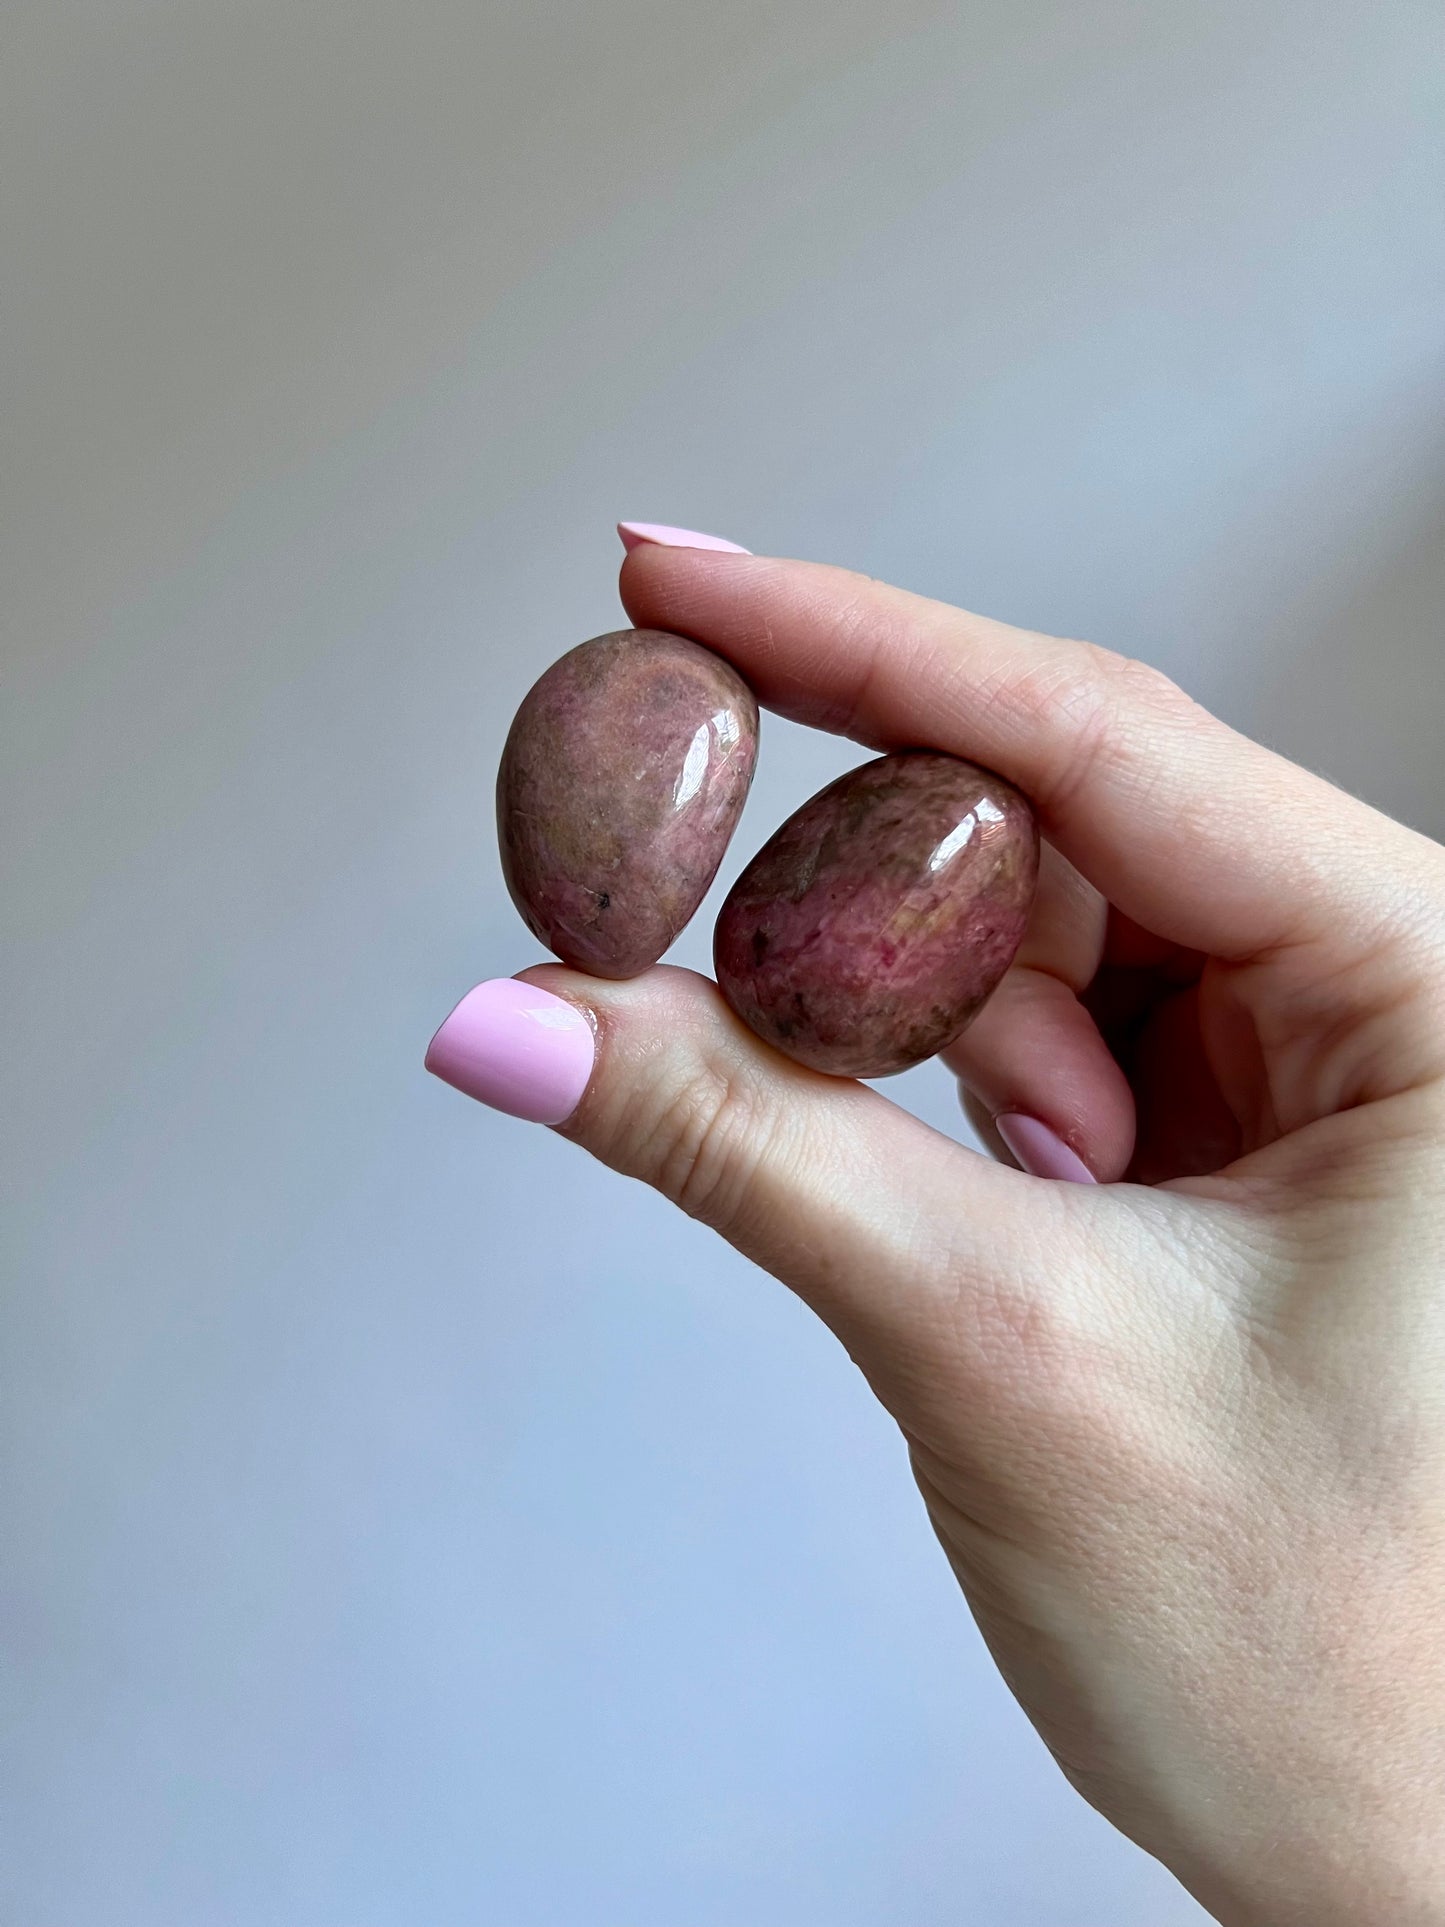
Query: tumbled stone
column 622, row 780
column 870, row 930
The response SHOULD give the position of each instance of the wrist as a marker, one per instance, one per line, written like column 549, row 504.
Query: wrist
column 1347, row 1883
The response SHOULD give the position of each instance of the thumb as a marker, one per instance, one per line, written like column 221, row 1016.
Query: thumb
column 889, row 1230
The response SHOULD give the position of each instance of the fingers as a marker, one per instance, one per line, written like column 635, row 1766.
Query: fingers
column 1035, row 1053
column 888, row 1229
column 818, row 1179
column 1195, row 832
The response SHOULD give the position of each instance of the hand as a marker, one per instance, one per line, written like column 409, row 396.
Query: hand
column 1180, row 1425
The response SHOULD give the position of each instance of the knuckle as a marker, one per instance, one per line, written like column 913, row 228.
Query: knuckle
column 1130, row 678
column 704, row 1143
column 1109, row 709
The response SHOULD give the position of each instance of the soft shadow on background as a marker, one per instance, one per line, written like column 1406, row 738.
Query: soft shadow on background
column 403, row 1520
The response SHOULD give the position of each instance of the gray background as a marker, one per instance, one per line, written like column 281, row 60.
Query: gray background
column 404, row 1521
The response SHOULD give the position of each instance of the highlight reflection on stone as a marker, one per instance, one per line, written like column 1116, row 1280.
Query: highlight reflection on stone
column 621, row 783
column 872, row 928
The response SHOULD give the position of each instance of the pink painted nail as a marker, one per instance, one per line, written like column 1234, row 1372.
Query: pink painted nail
column 517, row 1048
column 1041, row 1152
column 634, row 532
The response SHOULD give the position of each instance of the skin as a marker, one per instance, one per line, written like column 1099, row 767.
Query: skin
column 1180, row 1433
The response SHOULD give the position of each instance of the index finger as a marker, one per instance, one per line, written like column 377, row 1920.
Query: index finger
column 1191, row 829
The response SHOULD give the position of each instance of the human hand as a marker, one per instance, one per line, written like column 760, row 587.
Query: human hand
column 1179, row 1425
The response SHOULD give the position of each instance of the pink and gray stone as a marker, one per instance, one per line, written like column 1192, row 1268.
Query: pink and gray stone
column 872, row 928
column 622, row 780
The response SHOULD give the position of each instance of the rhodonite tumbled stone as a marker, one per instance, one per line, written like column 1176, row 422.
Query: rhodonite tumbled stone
column 869, row 931
column 622, row 780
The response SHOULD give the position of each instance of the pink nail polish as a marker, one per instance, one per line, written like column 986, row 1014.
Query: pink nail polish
column 634, row 532
column 517, row 1048
column 1041, row 1152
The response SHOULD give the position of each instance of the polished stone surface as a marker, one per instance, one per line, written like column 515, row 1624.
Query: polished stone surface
column 620, row 785
column 869, row 931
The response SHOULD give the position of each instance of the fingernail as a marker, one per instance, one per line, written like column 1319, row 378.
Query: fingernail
column 517, row 1048
column 634, row 532
column 1041, row 1152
